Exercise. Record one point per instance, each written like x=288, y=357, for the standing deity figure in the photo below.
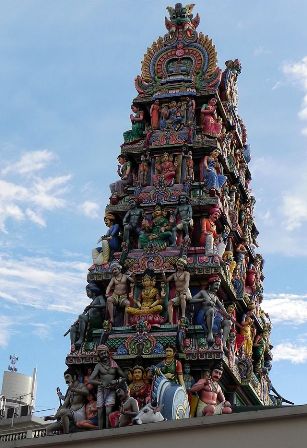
x=143, y=171
x=210, y=123
x=110, y=242
x=158, y=233
x=247, y=331
x=73, y=408
x=138, y=125
x=171, y=367
x=261, y=345
x=213, y=181
x=211, y=398
x=211, y=304
x=209, y=237
x=183, y=215
x=125, y=174
x=181, y=279
x=165, y=170
x=189, y=172
x=164, y=114
x=117, y=291
x=93, y=316
x=154, y=115
x=139, y=389
x=104, y=377
x=132, y=221
x=190, y=114
x=149, y=300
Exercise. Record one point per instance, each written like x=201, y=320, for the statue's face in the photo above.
x=68, y=379
x=103, y=354
x=146, y=282
x=215, y=286
x=169, y=352
x=183, y=199
x=180, y=266
x=137, y=374
x=216, y=374
x=158, y=212
x=214, y=216
x=187, y=369
x=120, y=393
x=115, y=270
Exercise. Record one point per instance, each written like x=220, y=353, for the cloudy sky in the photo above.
x=66, y=83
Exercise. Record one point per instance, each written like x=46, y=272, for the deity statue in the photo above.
x=154, y=115
x=261, y=345
x=209, y=237
x=210, y=123
x=139, y=389
x=143, y=171
x=191, y=105
x=104, y=377
x=92, y=315
x=211, y=305
x=149, y=300
x=189, y=174
x=183, y=215
x=110, y=242
x=125, y=174
x=164, y=114
x=211, y=398
x=117, y=291
x=181, y=279
x=247, y=330
x=132, y=221
x=73, y=408
x=181, y=17
x=129, y=407
x=189, y=380
x=138, y=125
x=165, y=170
x=91, y=416
x=158, y=233
x=213, y=181
x=171, y=367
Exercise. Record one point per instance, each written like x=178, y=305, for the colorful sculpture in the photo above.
x=138, y=126
x=181, y=278
x=117, y=291
x=210, y=123
x=158, y=233
x=165, y=170
x=125, y=174
x=149, y=300
x=110, y=242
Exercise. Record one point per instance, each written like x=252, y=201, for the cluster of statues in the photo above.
x=107, y=396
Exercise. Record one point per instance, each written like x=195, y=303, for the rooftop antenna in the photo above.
x=13, y=361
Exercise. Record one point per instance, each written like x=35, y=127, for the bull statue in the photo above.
x=169, y=401
x=151, y=413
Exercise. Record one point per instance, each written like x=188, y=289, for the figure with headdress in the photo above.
x=183, y=215
x=139, y=389
x=106, y=376
x=124, y=170
x=210, y=123
x=171, y=367
x=213, y=180
x=209, y=237
x=211, y=398
x=181, y=279
x=117, y=291
x=149, y=300
x=137, y=123
x=165, y=170
x=132, y=221
x=158, y=232
x=110, y=242
x=211, y=305
x=92, y=316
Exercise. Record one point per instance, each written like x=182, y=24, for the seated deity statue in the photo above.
x=139, y=389
x=138, y=125
x=158, y=233
x=165, y=170
x=149, y=300
x=110, y=242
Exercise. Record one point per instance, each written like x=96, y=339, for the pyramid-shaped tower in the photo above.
x=178, y=266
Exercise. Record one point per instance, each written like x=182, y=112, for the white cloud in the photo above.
x=90, y=209
x=41, y=330
x=29, y=196
x=297, y=72
x=43, y=283
x=30, y=162
x=290, y=352
x=294, y=210
x=6, y=329
x=286, y=308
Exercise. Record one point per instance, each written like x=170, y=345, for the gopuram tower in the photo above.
x=176, y=285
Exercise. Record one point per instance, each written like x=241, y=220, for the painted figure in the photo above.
x=117, y=291
x=210, y=306
x=211, y=398
x=210, y=123
x=143, y=171
x=213, y=181
x=158, y=233
x=171, y=367
x=73, y=408
x=139, y=389
x=91, y=420
x=165, y=170
x=189, y=174
x=149, y=300
x=138, y=125
x=125, y=174
x=181, y=279
x=110, y=242
x=104, y=377
x=209, y=237
x=183, y=215
x=154, y=115
x=132, y=221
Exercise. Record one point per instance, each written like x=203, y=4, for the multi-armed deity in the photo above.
x=176, y=285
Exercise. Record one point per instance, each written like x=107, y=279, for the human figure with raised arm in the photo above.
x=211, y=304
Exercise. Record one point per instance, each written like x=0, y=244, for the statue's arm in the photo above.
x=95, y=373
x=199, y=297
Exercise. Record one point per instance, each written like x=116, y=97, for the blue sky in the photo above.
x=66, y=84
